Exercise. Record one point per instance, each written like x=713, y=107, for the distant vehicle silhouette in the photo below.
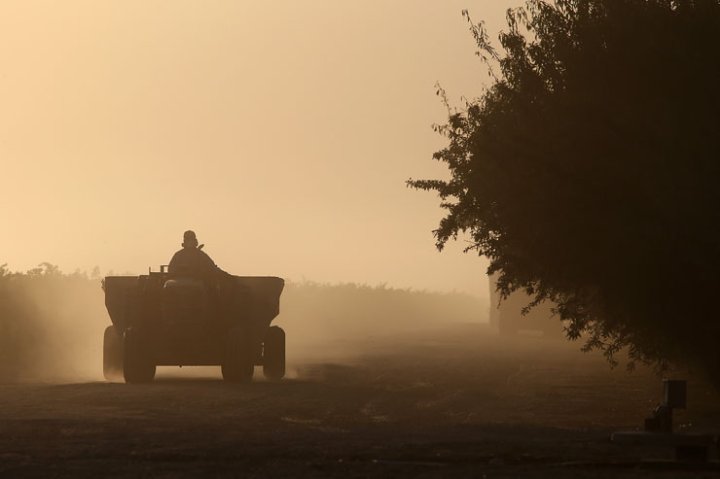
x=164, y=320
x=508, y=319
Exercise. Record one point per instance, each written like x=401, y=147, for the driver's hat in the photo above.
x=189, y=239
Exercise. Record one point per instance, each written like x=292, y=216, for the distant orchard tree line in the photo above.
x=588, y=171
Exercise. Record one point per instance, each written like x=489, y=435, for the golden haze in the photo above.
x=282, y=132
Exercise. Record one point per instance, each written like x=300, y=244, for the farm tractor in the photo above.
x=160, y=320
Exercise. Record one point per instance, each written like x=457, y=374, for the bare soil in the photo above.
x=452, y=402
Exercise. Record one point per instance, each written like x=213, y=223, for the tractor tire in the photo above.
x=238, y=365
x=137, y=365
x=112, y=354
x=274, y=354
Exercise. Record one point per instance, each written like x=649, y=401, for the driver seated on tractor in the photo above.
x=192, y=262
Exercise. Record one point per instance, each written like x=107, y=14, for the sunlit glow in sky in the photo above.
x=282, y=132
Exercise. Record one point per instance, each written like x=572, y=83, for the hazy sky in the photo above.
x=282, y=132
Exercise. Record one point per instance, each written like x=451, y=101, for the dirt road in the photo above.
x=443, y=403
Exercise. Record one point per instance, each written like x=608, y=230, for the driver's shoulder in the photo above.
x=205, y=256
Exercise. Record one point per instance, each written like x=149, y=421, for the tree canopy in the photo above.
x=588, y=172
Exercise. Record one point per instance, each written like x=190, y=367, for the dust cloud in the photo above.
x=53, y=323
x=342, y=320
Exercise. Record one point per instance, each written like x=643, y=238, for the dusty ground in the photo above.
x=445, y=403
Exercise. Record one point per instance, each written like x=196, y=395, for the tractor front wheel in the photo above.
x=238, y=365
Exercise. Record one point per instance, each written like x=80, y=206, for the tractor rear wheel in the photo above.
x=238, y=364
x=274, y=353
x=112, y=354
x=137, y=364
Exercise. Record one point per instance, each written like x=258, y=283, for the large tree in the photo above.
x=589, y=171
